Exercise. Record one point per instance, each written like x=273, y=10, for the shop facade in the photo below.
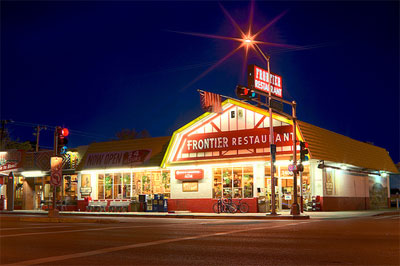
x=30, y=185
x=227, y=155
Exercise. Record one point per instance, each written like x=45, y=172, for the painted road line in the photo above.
x=34, y=227
x=85, y=230
x=77, y=230
x=158, y=242
x=386, y=217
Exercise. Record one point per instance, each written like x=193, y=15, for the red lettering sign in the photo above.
x=236, y=140
x=258, y=79
x=192, y=174
x=118, y=158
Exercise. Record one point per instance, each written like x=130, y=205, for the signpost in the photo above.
x=56, y=171
x=55, y=180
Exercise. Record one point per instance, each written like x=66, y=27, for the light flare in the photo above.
x=246, y=40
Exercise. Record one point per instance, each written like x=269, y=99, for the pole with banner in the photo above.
x=55, y=180
x=56, y=173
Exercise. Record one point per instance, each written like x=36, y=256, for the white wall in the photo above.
x=349, y=184
x=316, y=179
x=205, y=185
x=259, y=178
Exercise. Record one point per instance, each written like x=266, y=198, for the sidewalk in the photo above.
x=283, y=215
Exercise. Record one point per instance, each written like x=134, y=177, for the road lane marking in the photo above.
x=33, y=227
x=77, y=230
x=158, y=242
x=386, y=217
x=88, y=229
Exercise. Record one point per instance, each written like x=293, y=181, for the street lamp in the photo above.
x=271, y=128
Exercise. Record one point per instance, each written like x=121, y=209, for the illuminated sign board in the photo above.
x=117, y=159
x=258, y=79
x=10, y=160
x=239, y=139
x=192, y=174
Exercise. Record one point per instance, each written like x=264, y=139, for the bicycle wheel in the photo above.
x=231, y=208
x=244, y=207
x=216, y=208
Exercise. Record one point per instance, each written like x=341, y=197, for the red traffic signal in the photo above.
x=62, y=140
x=244, y=93
x=65, y=132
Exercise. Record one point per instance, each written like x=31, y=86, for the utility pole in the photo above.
x=38, y=128
x=294, y=210
x=271, y=131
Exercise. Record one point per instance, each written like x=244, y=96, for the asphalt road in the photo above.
x=170, y=241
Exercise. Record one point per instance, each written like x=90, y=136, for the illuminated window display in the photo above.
x=128, y=185
x=233, y=182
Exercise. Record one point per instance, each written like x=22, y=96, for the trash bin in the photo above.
x=262, y=205
x=135, y=206
x=165, y=203
x=142, y=203
x=155, y=205
x=149, y=205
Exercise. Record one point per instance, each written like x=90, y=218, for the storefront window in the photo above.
x=126, y=191
x=227, y=182
x=70, y=185
x=130, y=185
x=108, y=186
x=248, y=182
x=117, y=186
x=166, y=183
x=235, y=182
x=86, y=181
x=217, y=189
x=100, y=186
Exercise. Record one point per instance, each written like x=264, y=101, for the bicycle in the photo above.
x=224, y=205
x=243, y=207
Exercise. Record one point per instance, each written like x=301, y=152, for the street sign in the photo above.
x=56, y=171
x=292, y=167
x=276, y=105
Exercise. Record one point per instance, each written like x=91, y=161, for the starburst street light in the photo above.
x=247, y=41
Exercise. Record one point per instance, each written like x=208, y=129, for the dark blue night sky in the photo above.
x=99, y=67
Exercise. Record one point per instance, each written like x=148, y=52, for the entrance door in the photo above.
x=38, y=197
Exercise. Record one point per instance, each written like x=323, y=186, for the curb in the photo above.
x=66, y=220
x=63, y=218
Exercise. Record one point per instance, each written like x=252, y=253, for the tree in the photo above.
x=125, y=134
x=8, y=144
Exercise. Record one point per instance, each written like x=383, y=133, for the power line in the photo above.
x=72, y=131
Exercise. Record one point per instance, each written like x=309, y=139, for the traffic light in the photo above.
x=244, y=93
x=273, y=152
x=62, y=140
x=303, y=151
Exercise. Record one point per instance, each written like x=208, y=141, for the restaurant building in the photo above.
x=29, y=182
x=227, y=155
